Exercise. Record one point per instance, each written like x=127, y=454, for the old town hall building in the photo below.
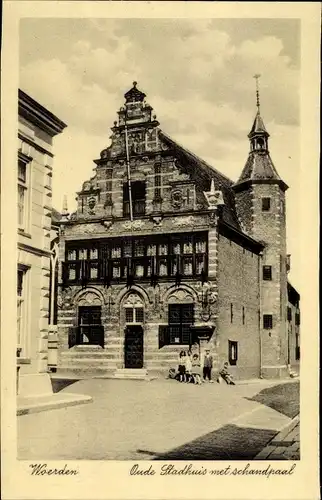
x=165, y=252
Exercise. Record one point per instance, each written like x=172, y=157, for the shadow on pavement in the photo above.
x=284, y=398
x=58, y=384
x=230, y=442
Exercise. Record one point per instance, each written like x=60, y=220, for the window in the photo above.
x=267, y=273
x=289, y=314
x=90, y=330
x=134, y=314
x=71, y=255
x=157, y=182
x=181, y=317
x=297, y=319
x=232, y=352
x=266, y=204
x=22, y=194
x=231, y=313
x=159, y=256
x=243, y=315
x=267, y=321
x=138, y=198
x=21, y=309
x=49, y=180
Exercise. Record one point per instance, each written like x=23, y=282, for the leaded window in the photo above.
x=181, y=318
x=166, y=256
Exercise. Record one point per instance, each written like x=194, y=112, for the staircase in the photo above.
x=86, y=362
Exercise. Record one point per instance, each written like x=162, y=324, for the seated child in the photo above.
x=224, y=373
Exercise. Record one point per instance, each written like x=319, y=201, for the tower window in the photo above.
x=243, y=315
x=232, y=352
x=289, y=314
x=267, y=273
x=266, y=204
x=231, y=313
x=267, y=321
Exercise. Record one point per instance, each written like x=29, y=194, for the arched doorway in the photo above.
x=133, y=309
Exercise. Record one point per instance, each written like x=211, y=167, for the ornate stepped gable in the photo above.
x=146, y=140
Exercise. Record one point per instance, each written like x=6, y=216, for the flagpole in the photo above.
x=128, y=171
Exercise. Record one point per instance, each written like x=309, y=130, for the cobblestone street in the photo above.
x=285, y=445
x=162, y=419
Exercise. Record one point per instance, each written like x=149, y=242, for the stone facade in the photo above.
x=37, y=127
x=165, y=253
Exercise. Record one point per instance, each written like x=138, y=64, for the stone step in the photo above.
x=88, y=361
x=89, y=355
x=131, y=373
x=84, y=372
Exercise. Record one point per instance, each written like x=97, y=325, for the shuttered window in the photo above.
x=181, y=317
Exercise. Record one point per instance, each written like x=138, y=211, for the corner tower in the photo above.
x=260, y=205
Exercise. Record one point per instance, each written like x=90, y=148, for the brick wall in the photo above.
x=271, y=228
x=238, y=288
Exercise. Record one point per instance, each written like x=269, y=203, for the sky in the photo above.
x=197, y=75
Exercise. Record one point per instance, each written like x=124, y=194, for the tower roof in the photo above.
x=258, y=126
x=259, y=167
x=134, y=94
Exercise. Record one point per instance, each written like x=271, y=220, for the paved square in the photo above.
x=137, y=420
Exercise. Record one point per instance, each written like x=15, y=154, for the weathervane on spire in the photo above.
x=257, y=76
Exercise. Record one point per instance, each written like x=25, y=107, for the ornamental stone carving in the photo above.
x=214, y=197
x=89, y=298
x=107, y=224
x=183, y=221
x=177, y=198
x=134, y=225
x=180, y=296
x=157, y=220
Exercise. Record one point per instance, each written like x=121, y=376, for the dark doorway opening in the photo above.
x=133, y=347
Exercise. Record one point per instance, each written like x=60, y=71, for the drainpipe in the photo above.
x=52, y=329
x=259, y=316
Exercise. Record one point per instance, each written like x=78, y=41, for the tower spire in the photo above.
x=257, y=77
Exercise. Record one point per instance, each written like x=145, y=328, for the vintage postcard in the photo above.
x=159, y=292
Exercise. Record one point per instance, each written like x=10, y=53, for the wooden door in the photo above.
x=133, y=347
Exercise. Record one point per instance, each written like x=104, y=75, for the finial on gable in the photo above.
x=65, y=212
x=214, y=197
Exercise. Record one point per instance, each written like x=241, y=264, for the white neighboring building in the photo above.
x=37, y=128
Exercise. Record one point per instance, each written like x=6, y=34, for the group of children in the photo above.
x=190, y=369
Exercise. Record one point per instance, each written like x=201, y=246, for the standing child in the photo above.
x=196, y=369
x=188, y=367
x=182, y=366
x=207, y=365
